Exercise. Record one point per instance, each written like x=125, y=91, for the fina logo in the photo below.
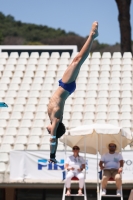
x=50, y=166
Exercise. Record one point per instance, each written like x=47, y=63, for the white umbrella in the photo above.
x=96, y=137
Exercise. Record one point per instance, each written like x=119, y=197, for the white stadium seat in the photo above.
x=117, y=55
x=106, y=55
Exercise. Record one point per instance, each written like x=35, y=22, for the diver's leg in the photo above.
x=72, y=71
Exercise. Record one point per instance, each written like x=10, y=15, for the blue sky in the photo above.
x=70, y=15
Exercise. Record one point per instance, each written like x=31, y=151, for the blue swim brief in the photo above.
x=70, y=87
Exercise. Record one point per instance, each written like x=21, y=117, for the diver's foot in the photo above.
x=94, y=30
x=53, y=160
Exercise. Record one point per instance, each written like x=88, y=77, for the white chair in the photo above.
x=84, y=67
x=67, y=108
x=11, y=131
x=4, y=157
x=89, y=115
x=106, y=55
x=106, y=61
x=8, y=140
x=22, y=61
x=126, y=108
x=116, y=61
x=24, y=55
x=53, y=61
x=32, y=147
x=113, y=116
x=21, y=100
x=75, y=123
x=7, y=74
x=41, y=107
x=91, y=94
x=126, y=123
x=126, y=68
x=36, y=132
x=105, y=67
x=79, y=93
x=103, y=94
x=126, y=115
x=3, y=123
x=32, y=100
x=113, y=108
x=78, y=101
x=117, y=55
x=34, y=93
x=115, y=86
x=55, y=55
x=94, y=68
x=66, y=115
x=104, y=74
x=34, y=55
x=94, y=61
x=116, y=68
x=92, y=86
x=4, y=55
x=86, y=122
x=12, y=61
x=43, y=61
x=101, y=116
x=114, y=94
x=127, y=61
x=116, y=74
x=45, y=93
x=32, y=61
x=62, y=68
x=126, y=101
x=90, y=100
x=29, y=74
x=9, y=68
x=114, y=101
x=127, y=74
x=126, y=80
x=4, y=115
x=19, y=147
x=34, y=140
x=93, y=80
x=102, y=101
x=47, y=86
x=76, y=116
x=83, y=74
x=65, y=55
x=40, y=115
x=96, y=55
x=127, y=87
x=21, y=140
x=28, y=115
x=63, y=61
x=14, y=123
x=2, y=169
x=77, y=108
x=5, y=148
x=101, y=108
x=16, y=115
x=127, y=55
x=44, y=100
x=23, y=93
x=25, y=123
x=127, y=94
x=2, y=131
x=49, y=80
x=89, y=108
x=93, y=74
x=23, y=131
x=30, y=108
x=45, y=55
x=103, y=87
x=38, y=123
x=104, y=80
x=81, y=80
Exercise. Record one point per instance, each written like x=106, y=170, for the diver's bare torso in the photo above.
x=56, y=104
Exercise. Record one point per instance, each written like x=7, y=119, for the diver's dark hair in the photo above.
x=60, y=130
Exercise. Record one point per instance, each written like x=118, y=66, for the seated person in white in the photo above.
x=75, y=164
x=112, y=165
